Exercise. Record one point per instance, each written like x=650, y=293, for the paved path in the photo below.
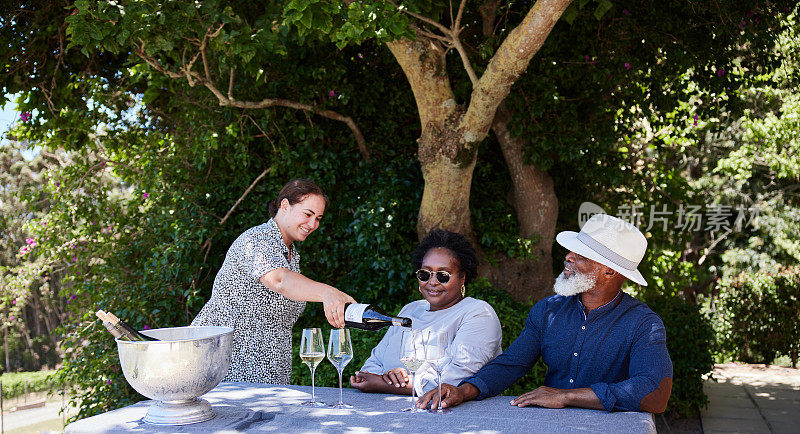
x=33, y=416
x=752, y=399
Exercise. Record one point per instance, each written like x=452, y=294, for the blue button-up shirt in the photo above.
x=618, y=349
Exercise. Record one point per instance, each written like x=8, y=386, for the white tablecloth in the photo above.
x=248, y=407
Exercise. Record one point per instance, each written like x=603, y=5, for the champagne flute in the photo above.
x=312, y=351
x=438, y=355
x=340, y=352
x=412, y=356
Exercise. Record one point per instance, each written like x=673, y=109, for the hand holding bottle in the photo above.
x=334, y=301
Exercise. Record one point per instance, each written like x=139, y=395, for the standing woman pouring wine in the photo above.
x=259, y=290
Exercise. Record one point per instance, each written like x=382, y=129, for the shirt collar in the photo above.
x=275, y=231
x=600, y=309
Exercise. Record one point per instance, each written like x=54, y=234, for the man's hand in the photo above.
x=397, y=377
x=559, y=398
x=333, y=302
x=451, y=396
x=368, y=382
x=542, y=396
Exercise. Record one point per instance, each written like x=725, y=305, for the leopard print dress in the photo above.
x=261, y=318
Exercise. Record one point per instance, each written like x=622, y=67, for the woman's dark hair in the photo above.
x=295, y=191
x=458, y=245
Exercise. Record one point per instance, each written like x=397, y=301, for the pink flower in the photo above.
x=146, y=327
x=25, y=116
x=331, y=94
x=625, y=12
x=11, y=317
x=720, y=72
x=14, y=302
x=72, y=297
x=145, y=195
x=741, y=24
x=109, y=381
x=627, y=65
x=695, y=117
x=24, y=249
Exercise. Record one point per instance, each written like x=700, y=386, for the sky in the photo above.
x=8, y=116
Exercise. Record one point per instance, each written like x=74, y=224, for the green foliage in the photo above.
x=19, y=383
x=756, y=316
x=690, y=341
x=690, y=335
x=30, y=304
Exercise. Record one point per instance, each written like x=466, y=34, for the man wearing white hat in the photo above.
x=604, y=349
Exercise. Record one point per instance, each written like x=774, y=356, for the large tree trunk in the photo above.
x=450, y=133
x=536, y=204
x=445, y=199
x=447, y=155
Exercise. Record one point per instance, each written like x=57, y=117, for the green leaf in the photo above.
x=602, y=8
x=569, y=15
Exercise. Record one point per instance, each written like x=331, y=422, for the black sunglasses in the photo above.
x=425, y=275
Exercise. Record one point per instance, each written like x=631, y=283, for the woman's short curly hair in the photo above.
x=458, y=245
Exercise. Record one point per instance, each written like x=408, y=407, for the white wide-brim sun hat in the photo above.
x=610, y=241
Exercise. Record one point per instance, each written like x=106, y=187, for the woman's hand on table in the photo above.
x=397, y=377
x=333, y=302
x=370, y=383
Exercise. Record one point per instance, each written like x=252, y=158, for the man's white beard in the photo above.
x=577, y=284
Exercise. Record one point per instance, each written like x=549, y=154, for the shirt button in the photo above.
x=583, y=327
x=570, y=381
x=575, y=354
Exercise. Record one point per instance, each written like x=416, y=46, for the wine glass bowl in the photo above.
x=185, y=363
x=312, y=351
x=340, y=353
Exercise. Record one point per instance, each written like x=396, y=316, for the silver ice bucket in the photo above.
x=183, y=364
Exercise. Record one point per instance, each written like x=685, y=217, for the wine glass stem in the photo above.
x=340, y=388
x=439, y=379
x=313, y=396
x=412, y=390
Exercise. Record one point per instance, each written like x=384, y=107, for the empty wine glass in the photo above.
x=437, y=355
x=312, y=351
x=412, y=355
x=340, y=353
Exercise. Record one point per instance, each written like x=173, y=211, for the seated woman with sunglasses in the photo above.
x=446, y=262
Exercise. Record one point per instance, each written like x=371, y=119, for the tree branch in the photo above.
x=223, y=100
x=509, y=62
x=422, y=18
x=246, y=192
